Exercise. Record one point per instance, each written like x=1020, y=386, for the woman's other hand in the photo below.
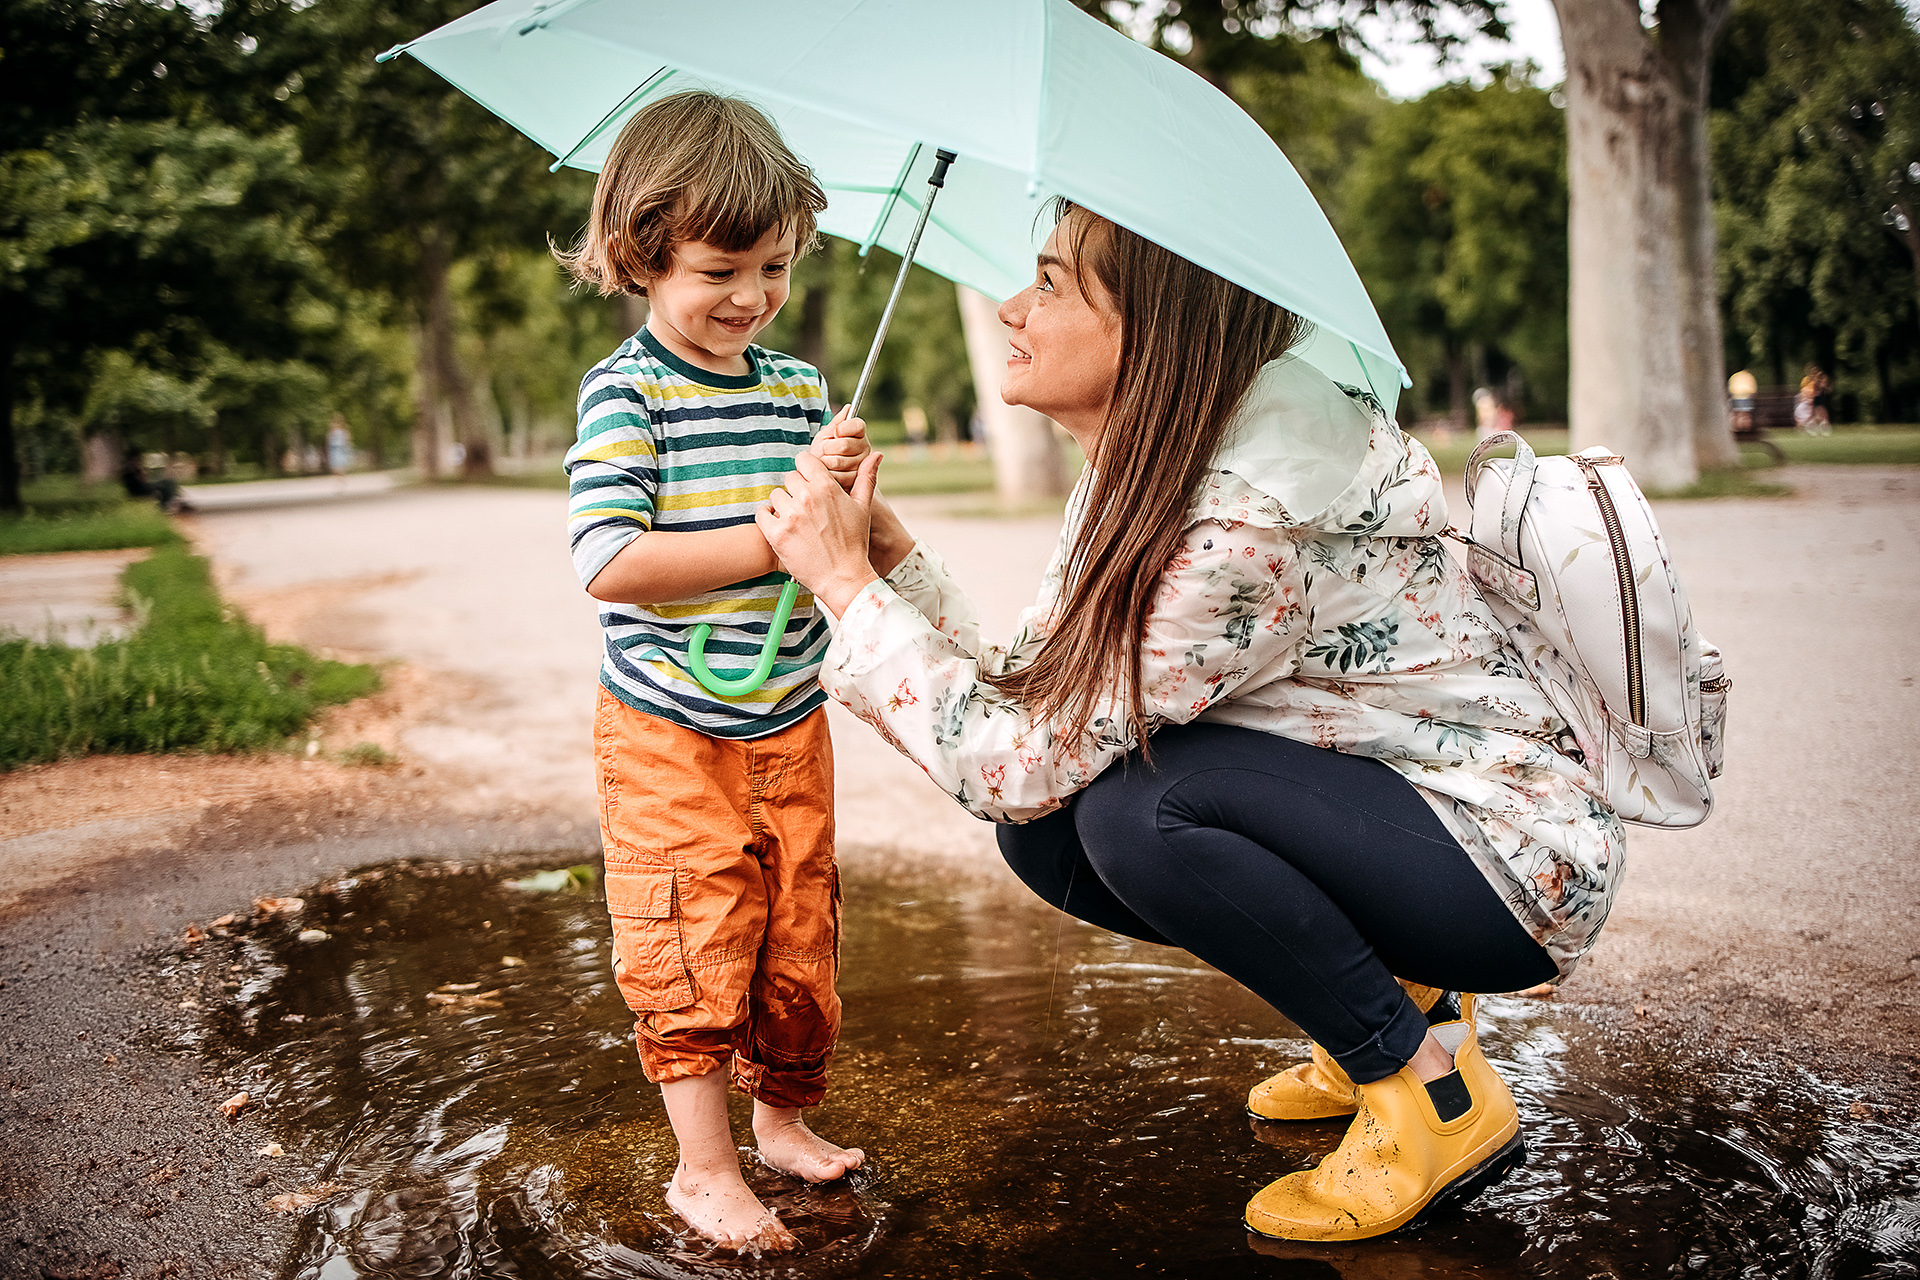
x=842, y=445
x=820, y=532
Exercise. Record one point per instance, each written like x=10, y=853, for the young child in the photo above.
x=716, y=813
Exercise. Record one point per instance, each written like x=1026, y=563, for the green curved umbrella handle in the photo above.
x=713, y=682
x=696, y=652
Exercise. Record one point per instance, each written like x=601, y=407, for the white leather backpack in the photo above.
x=1568, y=557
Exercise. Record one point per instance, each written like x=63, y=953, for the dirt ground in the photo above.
x=1785, y=928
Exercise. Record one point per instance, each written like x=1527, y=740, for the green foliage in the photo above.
x=1456, y=217
x=1816, y=146
x=127, y=524
x=193, y=677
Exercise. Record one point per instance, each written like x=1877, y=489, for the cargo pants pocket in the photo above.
x=650, y=961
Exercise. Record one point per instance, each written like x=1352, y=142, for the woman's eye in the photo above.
x=1046, y=283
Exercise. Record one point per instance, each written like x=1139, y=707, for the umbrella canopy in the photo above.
x=1035, y=97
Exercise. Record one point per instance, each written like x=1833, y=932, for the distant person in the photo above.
x=1488, y=414
x=1811, y=407
x=716, y=812
x=163, y=489
x=339, y=447
x=1743, y=389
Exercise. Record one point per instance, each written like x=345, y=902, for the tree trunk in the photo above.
x=1026, y=457
x=1648, y=372
x=9, y=449
x=450, y=379
x=813, y=312
x=1909, y=235
x=633, y=313
x=426, y=410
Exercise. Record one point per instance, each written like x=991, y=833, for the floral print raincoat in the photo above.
x=1312, y=598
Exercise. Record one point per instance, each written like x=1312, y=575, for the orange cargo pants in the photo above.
x=725, y=899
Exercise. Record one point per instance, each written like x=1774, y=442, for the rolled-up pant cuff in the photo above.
x=792, y=1087
x=1389, y=1050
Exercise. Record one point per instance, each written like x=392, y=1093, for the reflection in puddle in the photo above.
x=1039, y=1099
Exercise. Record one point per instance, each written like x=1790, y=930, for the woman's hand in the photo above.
x=820, y=532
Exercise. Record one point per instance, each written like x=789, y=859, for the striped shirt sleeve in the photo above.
x=612, y=471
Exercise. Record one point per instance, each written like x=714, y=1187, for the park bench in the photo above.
x=1772, y=411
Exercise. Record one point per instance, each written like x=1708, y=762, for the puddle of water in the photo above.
x=1039, y=1098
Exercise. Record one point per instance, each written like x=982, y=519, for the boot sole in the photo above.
x=1320, y=1115
x=1475, y=1180
x=1495, y=1167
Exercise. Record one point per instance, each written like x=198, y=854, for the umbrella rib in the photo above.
x=893, y=197
x=660, y=75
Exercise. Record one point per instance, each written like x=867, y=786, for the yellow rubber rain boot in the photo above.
x=1318, y=1089
x=1413, y=1147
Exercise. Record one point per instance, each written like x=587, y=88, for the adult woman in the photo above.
x=1251, y=575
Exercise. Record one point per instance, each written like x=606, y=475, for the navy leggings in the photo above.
x=1310, y=876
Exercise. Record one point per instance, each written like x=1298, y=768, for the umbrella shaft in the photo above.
x=934, y=183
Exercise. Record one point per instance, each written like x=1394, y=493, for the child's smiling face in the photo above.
x=710, y=303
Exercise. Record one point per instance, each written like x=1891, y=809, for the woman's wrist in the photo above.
x=838, y=593
x=888, y=542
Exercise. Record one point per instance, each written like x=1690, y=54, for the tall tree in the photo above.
x=1456, y=217
x=429, y=178
x=1816, y=136
x=1648, y=369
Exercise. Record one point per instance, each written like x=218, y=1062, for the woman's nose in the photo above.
x=1013, y=312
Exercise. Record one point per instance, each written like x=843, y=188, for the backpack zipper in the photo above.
x=1623, y=572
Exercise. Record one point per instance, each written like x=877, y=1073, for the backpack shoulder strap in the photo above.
x=1519, y=485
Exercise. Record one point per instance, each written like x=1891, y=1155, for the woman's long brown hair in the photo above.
x=1191, y=345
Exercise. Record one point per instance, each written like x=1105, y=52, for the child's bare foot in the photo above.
x=786, y=1144
x=725, y=1211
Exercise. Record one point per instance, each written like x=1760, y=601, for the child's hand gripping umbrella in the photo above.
x=711, y=680
x=1036, y=99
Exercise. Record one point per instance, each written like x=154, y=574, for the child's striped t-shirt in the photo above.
x=666, y=445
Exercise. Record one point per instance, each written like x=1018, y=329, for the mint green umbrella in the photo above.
x=1033, y=97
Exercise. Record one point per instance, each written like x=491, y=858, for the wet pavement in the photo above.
x=445, y=1059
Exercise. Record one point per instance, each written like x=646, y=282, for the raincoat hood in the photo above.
x=1329, y=458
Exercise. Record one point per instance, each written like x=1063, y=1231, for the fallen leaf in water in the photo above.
x=279, y=906
x=194, y=935
x=189, y=1003
x=300, y=1199
x=458, y=986
x=224, y=921
x=1860, y=1111
x=511, y=962
x=271, y=1149
x=1639, y=1011
x=314, y=935
x=477, y=1000
x=581, y=876
x=293, y=1017
x=236, y=1104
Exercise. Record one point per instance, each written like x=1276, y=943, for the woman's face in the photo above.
x=1066, y=344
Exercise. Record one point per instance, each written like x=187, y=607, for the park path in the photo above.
x=1794, y=912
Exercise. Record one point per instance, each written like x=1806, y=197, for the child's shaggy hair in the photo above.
x=690, y=166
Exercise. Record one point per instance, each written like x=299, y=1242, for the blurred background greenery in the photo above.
x=224, y=228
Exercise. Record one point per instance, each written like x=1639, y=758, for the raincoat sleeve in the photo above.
x=1228, y=609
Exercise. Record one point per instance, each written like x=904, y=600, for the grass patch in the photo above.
x=1847, y=446
x=193, y=677
x=368, y=755
x=126, y=524
x=1731, y=482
